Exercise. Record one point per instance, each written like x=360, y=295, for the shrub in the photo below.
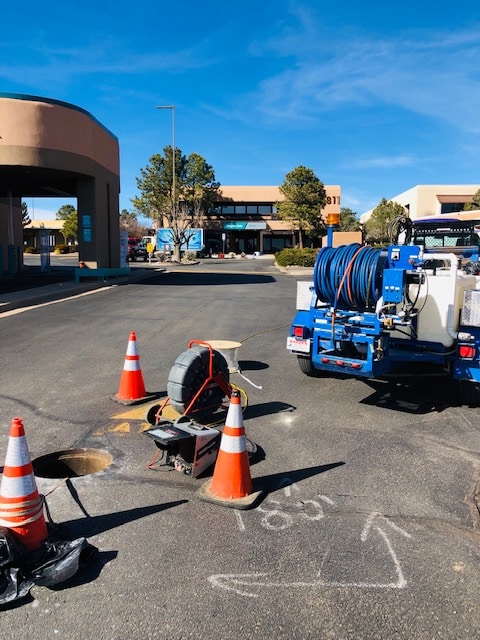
x=297, y=257
x=189, y=256
x=29, y=249
x=61, y=248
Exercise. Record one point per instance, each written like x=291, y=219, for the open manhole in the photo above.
x=71, y=463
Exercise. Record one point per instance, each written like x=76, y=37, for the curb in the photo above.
x=295, y=270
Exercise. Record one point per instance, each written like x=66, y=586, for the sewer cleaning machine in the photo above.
x=400, y=310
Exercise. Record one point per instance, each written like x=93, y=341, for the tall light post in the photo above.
x=172, y=107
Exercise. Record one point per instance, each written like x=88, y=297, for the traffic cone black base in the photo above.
x=231, y=484
x=145, y=398
x=247, y=502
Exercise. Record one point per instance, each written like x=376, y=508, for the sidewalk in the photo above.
x=58, y=289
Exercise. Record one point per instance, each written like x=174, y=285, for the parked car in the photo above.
x=137, y=252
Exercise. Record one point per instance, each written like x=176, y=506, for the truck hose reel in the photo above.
x=349, y=277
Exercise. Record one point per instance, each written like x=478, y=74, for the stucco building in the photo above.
x=52, y=148
x=432, y=200
x=245, y=219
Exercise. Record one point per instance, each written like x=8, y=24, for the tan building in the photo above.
x=245, y=219
x=432, y=200
x=51, y=148
x=47, y=232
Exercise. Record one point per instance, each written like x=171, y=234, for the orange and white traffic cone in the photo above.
x=21, y=507
x=132, y=387
x=231, y=484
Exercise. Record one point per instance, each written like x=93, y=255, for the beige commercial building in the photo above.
x=51, y=148
x=432, y=200
x=246, y=220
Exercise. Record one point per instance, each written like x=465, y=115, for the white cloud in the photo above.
x=434, y=74
x=382, y=162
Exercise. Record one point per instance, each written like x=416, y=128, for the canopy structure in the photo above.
x=51, y=148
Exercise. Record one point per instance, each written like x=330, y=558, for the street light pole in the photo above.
x=172, y=107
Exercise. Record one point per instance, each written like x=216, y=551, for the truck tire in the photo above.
x=469, y=392
x=187, y=376
x=306, y=367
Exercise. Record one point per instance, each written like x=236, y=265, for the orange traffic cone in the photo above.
x=231, y=484
x=21, y=507
x=132, y=387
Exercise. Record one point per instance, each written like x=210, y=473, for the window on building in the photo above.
x=243, y=209
x=271, y=244
x=451, y=207
x=265, y=209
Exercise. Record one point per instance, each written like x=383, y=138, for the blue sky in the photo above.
x=374, y=96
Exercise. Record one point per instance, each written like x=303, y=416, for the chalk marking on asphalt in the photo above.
x=289, y=488
x=286, y=520
x=326, y=499
x=242, y=583
x=239, y=519
x=375, y=515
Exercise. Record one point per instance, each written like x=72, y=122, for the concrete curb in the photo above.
x=295, y=270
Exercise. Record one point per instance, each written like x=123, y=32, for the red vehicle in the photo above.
x=132, y=243
x=136, y=250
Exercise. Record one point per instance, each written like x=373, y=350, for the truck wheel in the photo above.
x=469, y=392
x=187, y=376
x=306, y=367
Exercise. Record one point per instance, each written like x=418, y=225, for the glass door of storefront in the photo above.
x=244, y=241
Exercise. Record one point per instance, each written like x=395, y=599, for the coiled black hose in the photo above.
x=349, y=277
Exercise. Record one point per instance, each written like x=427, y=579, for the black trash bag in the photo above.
x=13, y=585
x=10, y=547
x=60, y=561
x=52, y=563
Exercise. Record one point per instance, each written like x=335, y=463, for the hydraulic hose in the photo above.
x=349, y=277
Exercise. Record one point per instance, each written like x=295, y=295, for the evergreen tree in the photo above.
x=305, y=197
x=377, y=226
x=25, y=217
x=474, y=204
x=349, y=220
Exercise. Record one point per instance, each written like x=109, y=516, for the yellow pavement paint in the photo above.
x=123, y=427
x=169, y=413
x=136, y=413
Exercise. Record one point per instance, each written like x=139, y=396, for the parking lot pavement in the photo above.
x=34, y=287
x=37, y=288
x=369, y=528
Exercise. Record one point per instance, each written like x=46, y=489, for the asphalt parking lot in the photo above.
x=369, y=525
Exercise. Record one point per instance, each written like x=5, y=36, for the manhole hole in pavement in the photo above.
x=71, y=463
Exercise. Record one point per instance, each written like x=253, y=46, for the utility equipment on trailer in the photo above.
x=375, y=312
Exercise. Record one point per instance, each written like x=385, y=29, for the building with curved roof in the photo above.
x=51, y=148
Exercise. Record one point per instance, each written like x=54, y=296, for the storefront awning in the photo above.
x=244, y=225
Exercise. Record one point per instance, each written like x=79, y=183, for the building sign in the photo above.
x=87, y=228
x=195, y=240
x=244, y=226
